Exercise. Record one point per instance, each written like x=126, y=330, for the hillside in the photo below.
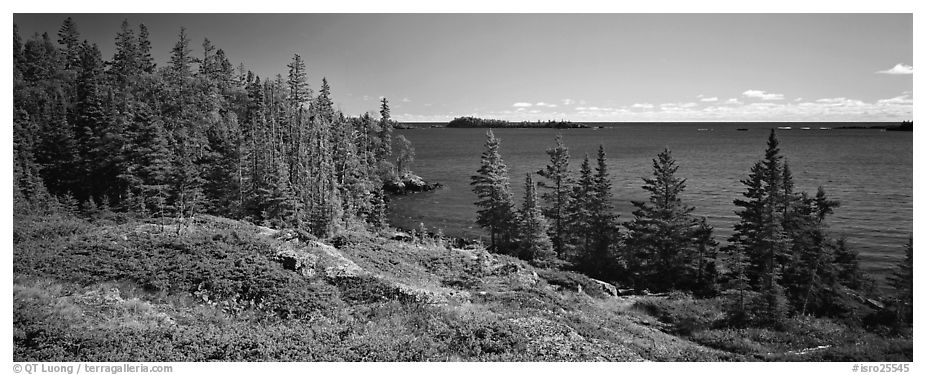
x=122, y=289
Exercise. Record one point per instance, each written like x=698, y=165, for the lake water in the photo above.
x=869, y=171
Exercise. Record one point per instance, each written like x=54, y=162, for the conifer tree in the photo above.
x=69, y=38
x=662, y=229
x=558, y=186
x=579, y=216
x=146, y=62
x=496, y=207
x=535, y=244
x=604, y=226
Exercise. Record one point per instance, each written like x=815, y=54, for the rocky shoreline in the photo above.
x=409, y=183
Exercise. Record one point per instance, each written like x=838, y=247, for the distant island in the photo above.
x=905, y=126
x=475, y=122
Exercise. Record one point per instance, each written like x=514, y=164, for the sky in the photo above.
x=577, y=67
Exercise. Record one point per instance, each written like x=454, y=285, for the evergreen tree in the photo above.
x=579, y=217
x=558, y=186
x=662, y=230
x=69, y=38
x=496, y=208
x=146, y=62
x=603, y=226
x=125, y=64
x=761, y=236
x=535, y=244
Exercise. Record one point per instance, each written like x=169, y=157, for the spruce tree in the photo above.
x=496, y=206
x=660, y=235
x=69, y=38
x=558, y=188
x=604, y=227
x=534, y=243
x=146, y=62
x=579, y=217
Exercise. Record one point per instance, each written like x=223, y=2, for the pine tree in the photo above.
x=604, y=226
x=69, y=38
x=146, y=62
x=579, y=217
x=125, y=64
x=761, y=236
x=496, y=208
x=705, y=267
x=534, y=244
x=662, y=229
x=558, y=186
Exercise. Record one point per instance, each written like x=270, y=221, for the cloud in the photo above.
x=568, y=101
x=521, y=105
x=904, y=99
x=406, y=100
x=733, y=101
x=548, y=105
x=711, y=99
x=898, y=69
x=642, y=106
x=759, y=94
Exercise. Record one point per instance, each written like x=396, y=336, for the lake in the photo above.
x=868, y=170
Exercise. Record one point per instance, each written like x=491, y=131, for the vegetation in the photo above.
x=475, y=122
x=193, y=136
x=120, y=165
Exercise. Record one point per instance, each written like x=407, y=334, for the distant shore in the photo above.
x=890, y=126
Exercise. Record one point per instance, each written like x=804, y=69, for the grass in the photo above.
x=120, y=289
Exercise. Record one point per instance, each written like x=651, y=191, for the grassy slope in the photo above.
x=227, y=290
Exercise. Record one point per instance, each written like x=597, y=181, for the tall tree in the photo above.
x=662, y=229
x=534, y=243
x=579, y=216
x=146, y=62
x=604, y=226
x=558, y=188
x=760, y=233
x=496, y=206
x=69, y=38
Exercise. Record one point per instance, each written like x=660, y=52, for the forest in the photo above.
x=196, y=211
x=475, y=122
x=197, y=135
x=780, y=262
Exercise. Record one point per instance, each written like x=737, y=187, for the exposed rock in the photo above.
x=296, y=258
x=607, y=288
x=409, y=183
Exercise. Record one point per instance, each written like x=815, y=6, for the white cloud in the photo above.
x=733, y=101
x=642, y=106
x=711, y=99
x=568, y=101
x=406, y=100
x=760, y=94
x=521, y=105
x=548, y=105
x=898, y=69
x=897, y=100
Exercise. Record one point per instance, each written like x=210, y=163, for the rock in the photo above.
x=296, y=259
x=408, y=183
x=606, y=287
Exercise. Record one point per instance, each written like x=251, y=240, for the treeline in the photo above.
x=780, y=261
x=194, y=136
x=475, y=122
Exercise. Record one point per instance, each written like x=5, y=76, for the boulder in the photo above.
x=295, y=258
